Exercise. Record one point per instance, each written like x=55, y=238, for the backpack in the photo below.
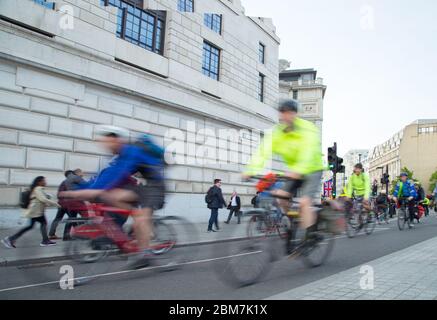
x=25, y=199
x=150, y=147
x=208, y=196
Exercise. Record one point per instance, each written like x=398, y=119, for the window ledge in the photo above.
x=129, y=52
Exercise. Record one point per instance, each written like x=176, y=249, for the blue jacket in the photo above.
x=131, y=159
x=408, y=190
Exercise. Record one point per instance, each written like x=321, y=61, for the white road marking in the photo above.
x=131, y=271
x=161, y=267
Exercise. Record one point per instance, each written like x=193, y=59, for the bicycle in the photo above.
x=272, y=234
x=404, y=215
x=100, y=237
x=380, y=211
x=358, y=219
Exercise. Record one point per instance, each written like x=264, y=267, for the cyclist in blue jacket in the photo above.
x=113, y=184
x=406, y=191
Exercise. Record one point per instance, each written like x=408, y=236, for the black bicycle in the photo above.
x=404, y=215
x=358, y=218
x=272, y=235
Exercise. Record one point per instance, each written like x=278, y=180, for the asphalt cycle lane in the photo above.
x=200, y=280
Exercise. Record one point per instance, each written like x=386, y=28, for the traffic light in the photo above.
x=340, y=168
x=385, y=178
x=332, y=158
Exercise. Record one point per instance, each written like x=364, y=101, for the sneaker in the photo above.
x=139, y=262
x=226, y=222
x=208, y=231
x=8, y=243
x=214, y=230
x=47, y=244
x=55, y=237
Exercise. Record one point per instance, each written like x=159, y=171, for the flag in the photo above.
x=327, y=188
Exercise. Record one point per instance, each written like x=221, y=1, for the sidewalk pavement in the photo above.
x=28, y=249
x=409, y=274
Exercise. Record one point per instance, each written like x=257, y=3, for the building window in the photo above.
x=261, y=81
x=50, y=5
x=295, y=94
x=211, y=61
x=186, y=5
x=262, y=53
x=144, y=28
x=213, y=22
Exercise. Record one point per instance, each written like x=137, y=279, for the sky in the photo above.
x=378, y=59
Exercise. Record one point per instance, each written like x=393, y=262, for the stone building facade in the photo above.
x=414, y=147
x=67, y=66
x=304, y=86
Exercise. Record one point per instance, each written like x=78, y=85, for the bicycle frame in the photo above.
x=100, y=226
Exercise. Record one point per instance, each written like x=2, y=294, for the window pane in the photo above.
x=211, y=61
x=213, y=22
x=139, y=26
x=262, y=53
x=46, y=4
x=186, y=5
x=261, y=87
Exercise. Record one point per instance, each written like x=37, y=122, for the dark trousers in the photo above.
x=213, y=219
x=43, y=222
x=234, y=211
x=59, y=216
x=411, y=210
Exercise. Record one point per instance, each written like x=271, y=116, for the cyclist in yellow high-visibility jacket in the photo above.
x=297, y=142
x=358, y=184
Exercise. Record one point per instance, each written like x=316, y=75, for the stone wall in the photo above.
x=55, y=89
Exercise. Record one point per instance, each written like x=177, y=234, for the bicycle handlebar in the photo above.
x=282, y=178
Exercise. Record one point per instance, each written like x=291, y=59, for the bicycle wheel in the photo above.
x=164, y=237
x=317, y=251
x=370, y=223
x=258, y=226
x=402, y=219
x=352, y=224
x=247, y=261
x=172, y=243
x=90, y=258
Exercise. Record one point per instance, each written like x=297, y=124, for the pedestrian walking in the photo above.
x=234, y=208
x=214, y=199
x=71, y=208
x=35, y=211
x=254, y=201
x=375, y=188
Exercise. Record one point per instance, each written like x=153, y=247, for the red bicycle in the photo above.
x=99, y=236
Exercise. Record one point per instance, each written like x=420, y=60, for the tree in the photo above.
x=433, y=181
x=410, y=177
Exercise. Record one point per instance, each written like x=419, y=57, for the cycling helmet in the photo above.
x=288, y=105
x=359, y=166
x=404, y=174
x=105, y=131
